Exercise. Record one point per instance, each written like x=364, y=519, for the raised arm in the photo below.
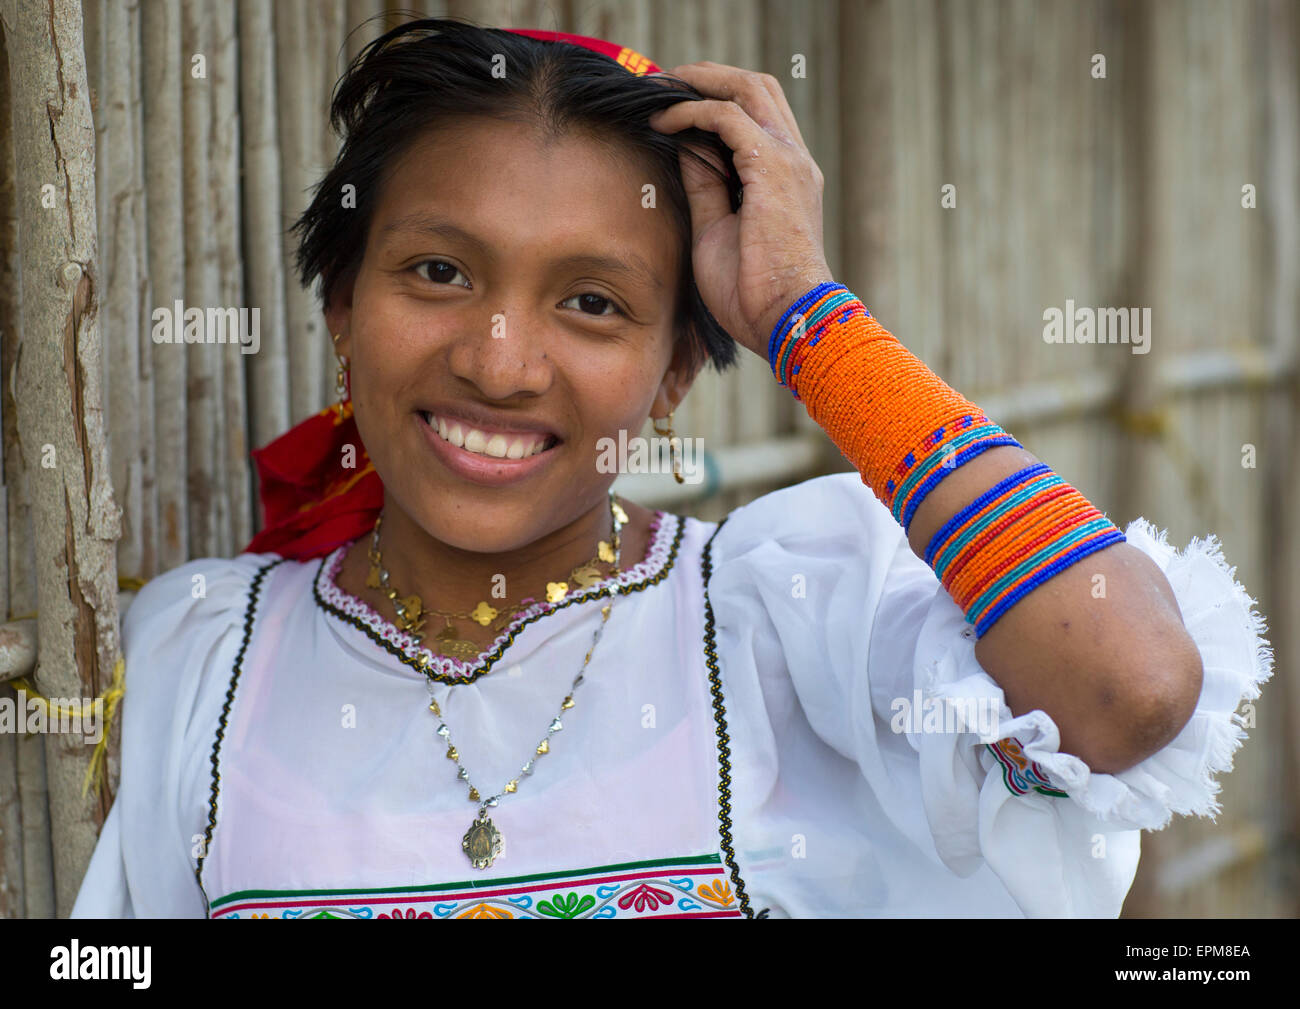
x=1070, y=619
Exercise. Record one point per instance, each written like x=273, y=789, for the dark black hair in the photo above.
x=439, y=70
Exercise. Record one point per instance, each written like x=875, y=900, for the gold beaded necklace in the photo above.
x=411, y=610
x=483, y=841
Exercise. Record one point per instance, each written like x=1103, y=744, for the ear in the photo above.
x=338, y=314
x=677, y=381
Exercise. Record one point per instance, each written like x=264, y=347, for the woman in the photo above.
x=456, y=677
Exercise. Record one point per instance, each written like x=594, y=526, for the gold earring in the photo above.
x=340, y=376
x=674, y=445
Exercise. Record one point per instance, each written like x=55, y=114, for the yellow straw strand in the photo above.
x=110, y=697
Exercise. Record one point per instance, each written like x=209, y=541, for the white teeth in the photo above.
x=498, y=446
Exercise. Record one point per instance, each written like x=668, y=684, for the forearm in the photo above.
x=1100, y=646
x=1069, y=618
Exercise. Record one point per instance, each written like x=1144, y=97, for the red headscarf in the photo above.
x=313, y=501
x=627, y=58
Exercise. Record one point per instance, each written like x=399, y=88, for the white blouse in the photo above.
x=790, y=744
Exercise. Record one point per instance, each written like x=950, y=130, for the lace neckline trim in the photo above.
x=665, y=537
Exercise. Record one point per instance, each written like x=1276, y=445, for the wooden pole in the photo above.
x=206, y=477
x=121, y=199
x=301, y=114
x=1136, y=452
x=57, y=380
x=12, y=897
x=1280, y=464
x=161, y=67
x=224, y=200
x=263, y=222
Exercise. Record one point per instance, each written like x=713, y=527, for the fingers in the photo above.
x=759, y=94
x=708, y=195
x=749, y=112
x=787, y=114
x=727, y=119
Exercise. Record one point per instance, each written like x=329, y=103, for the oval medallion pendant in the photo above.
x=482, y=842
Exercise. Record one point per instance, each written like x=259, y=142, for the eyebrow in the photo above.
x=633, y=267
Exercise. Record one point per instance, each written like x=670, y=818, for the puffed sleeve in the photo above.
x=883, y=664
x=180, y=636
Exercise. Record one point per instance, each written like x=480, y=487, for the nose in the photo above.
x=503, y=353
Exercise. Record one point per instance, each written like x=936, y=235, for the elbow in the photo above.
x=1157, y=711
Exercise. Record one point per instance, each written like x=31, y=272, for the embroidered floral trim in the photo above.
x=689, y=887
x=665, y=536
x=1019, y=773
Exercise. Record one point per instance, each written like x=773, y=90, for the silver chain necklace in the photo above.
x=483, y=841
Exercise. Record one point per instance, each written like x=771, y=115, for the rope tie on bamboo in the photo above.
x=109, y=699
x=905, y=430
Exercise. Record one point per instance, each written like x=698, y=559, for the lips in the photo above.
x=481, y=468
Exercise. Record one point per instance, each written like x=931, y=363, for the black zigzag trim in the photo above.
x=253, y=592
x=724, y=748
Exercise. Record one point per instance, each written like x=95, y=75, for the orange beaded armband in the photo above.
x=904, y=429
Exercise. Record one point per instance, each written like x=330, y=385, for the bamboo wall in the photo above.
x=1117, y=191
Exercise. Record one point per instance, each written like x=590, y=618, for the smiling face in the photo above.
x=514, y=296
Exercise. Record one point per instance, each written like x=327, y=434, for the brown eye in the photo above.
x=439, y=271
x=593, y=304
